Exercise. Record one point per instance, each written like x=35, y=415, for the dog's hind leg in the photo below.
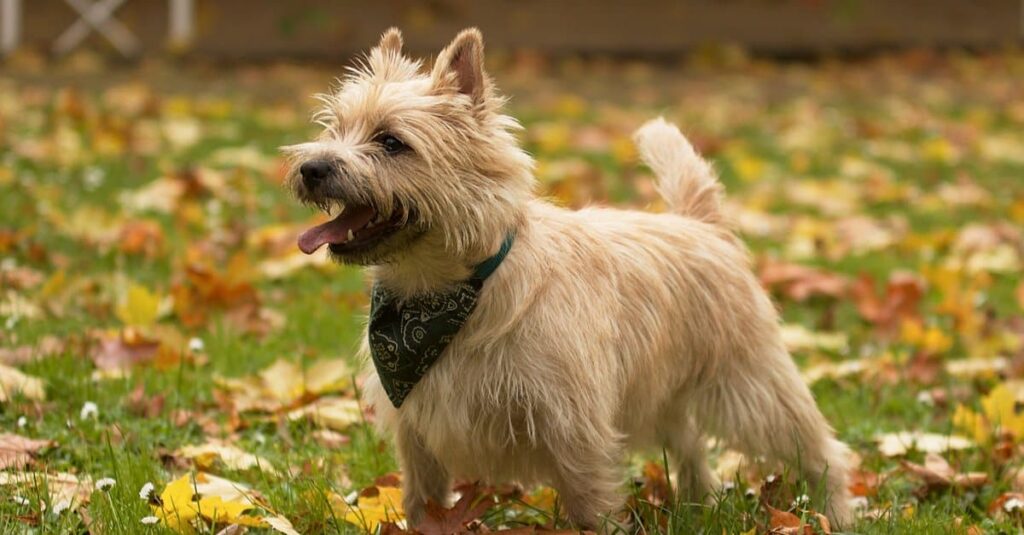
x=764, y=408
x=423, y=477
x=694, y=479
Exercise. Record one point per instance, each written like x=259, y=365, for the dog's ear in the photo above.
x=464, y=58
x=391, y=41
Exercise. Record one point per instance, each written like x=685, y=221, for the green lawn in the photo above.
x=142, y=217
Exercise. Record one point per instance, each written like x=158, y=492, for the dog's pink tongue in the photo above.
x=335, y=230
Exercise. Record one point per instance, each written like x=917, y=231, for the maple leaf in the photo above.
x=214, y=500
x=898, y=301
x=138, y=307
x=17, y=451
x=471, y=505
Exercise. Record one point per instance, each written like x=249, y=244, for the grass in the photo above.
x=886, y=136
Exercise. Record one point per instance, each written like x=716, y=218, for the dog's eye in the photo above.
x=391, y=143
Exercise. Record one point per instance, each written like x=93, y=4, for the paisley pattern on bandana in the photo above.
x=407, y=337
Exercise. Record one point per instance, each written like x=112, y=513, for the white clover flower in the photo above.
x=801, y=500
x=925, y=397
x=149, y=520
x=1013, y=504
x=20, y=500
x=146, y=491
x=106, y=483
x=22, y=421
x=196, y=345
x=770, y=478
x=750, y=492
x=89, y=410
x=728, y=486
x=61, y=506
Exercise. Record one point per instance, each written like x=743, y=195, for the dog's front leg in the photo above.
x=588, y=478
x=423, y=477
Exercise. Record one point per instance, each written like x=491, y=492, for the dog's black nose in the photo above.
x=314, y=172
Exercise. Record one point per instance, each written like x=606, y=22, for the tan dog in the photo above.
x=602, y=329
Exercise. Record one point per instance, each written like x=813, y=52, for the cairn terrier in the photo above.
x=540, y=344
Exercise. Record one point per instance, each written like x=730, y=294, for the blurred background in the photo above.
x=872, y=151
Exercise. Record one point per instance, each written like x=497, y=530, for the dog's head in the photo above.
x=406, y=154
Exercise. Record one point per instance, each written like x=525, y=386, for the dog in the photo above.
x=593, y=332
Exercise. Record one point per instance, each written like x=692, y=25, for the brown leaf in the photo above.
x=143, y=406
x=17, y=451
x=899, y=300
x=441, y=521
x=936, y=473
x=118, y=351
x=799, y=282
x=863, y=482
x=783, y=522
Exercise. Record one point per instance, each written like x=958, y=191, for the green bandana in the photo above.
x=407, y=337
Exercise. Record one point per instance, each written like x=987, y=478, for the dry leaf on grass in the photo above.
x=799, y=282
x=60, y=487
x=896, y=444
x=207, y=455
x=13, y=382
x=210, y=500
x=471, y=505
x=936, y=473
x=17, y=451
x=284, y=385
x=332, y=412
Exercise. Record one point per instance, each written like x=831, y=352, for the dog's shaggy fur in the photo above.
x=602, y=330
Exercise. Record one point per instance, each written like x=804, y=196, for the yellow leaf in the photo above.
x=214, y=499
x=971, y=423
x=139, y=307
x=370, y=511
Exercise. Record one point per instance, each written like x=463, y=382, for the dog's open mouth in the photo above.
x=357, y=227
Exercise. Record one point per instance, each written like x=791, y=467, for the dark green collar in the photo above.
x=408, y=336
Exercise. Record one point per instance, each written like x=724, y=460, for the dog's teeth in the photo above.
x=350, y=235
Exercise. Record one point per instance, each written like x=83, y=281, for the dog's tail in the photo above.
x=685, y=180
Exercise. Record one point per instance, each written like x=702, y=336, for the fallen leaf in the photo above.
x=13, y=382
x=896, y=444
x=898, y=301
x=17, y=451
x=331, y=412
x=138, y=307
x=58, y=486
x=373, y=506
x=212, y=499
x=207, y=455
x=799, y=282
x=799, y=338
x=440, y=521
x=936, y=473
